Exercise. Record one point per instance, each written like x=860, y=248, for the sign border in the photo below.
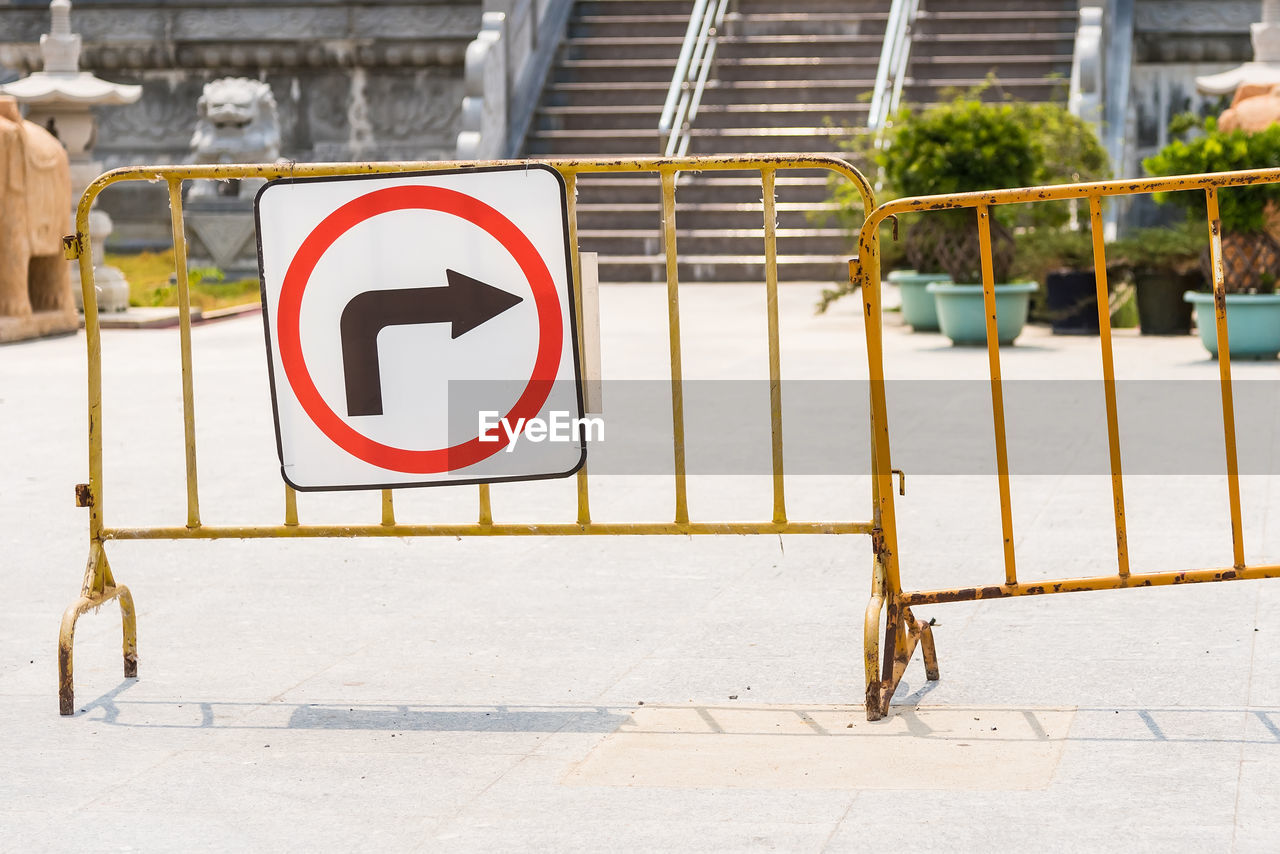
x=572, y=295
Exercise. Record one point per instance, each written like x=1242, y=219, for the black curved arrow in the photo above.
x=465, y=303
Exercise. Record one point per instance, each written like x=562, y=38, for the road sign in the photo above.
x=420, y=328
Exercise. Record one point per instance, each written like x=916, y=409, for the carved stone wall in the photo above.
x=1176, y=41
x=1194, y=31
x=373, y=80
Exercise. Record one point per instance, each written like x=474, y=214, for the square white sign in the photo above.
x=421, y=328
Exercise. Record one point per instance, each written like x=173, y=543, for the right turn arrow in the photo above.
x=464, y=302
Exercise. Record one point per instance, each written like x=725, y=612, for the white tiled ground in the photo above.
x=485, y=694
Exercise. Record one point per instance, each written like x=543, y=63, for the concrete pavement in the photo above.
x=625, y=693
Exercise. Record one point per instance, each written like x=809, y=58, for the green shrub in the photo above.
x=1046, y=250
x=967, y=145
x=1243, y=210
x=1176, y=249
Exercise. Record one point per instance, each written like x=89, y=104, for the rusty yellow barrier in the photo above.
x=99, y=584
x=903, y=631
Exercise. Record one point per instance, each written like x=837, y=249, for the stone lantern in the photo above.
x=60, y=99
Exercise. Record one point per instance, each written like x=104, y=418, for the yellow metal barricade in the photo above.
x=99, y=584
x=902, y=630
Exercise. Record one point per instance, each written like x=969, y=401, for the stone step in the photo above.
x=992, y=45
x=628, y=25
x=667, y=48
x=713, y=241
x=715, y=116
x=986, y=7
x=801, y=46
x=971, y=24
x=616, y=71
x=699, y=215
x=932, y=90
x=616, y=92
x=798, y=68
x=709, y=116
x=623, y=141
x=848, y=91
x=611, y=8
x=807, y=8
x=831, y=23
x=695, y=188
x=760, y=68
x=771, y=140
x=717, y=92
x=723, y=268
x=963, y=64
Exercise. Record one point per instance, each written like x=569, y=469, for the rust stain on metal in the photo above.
x=66, y=689
x=84, y=495
x=878, y=546
x=72, y=246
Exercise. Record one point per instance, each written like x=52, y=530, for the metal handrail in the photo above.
x=892, y=71
x=684, y=95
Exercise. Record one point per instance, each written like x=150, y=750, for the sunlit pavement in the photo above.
x=628, y=693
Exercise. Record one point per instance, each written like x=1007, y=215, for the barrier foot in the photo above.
x=902, y=634
x=99, y=588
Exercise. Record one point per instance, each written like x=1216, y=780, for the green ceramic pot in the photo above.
x=1253, y=324
x=918, y=311
x=962, y=311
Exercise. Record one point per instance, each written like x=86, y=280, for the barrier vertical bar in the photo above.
x=486, y=508
x=1109, y=381
x=290, y=506
x=867, y=268
x=997, y=391
x=673, y=319
x=93, y=345
x=767, y=181
x=571, y=203
x=1224, y=375
x=184, y=336
x=388, y=508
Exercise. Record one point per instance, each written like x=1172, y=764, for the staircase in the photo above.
x=1027, y=44
x=785, y=81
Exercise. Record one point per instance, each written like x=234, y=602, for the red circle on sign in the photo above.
x=546, y=301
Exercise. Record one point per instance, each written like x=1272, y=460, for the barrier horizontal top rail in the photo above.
x=174, y=176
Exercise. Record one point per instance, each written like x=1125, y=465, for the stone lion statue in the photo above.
x=35, y=188
x=236, y=123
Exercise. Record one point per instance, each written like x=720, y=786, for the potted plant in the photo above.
x=911, y=264
x=1250, y=255
x=1061, y=255
x=1062, y=259
x=1164, y=264
x=966, y=145
x=918, y=309
x=955, y=147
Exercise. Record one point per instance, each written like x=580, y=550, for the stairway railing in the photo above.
x=892, y=71
x=684, y=96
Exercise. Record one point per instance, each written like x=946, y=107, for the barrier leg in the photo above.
x=902, y=634
x=871, y=655
x=99, y=588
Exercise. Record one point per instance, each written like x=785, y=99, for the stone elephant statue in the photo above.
x=35, y=192
x=1255, y=107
